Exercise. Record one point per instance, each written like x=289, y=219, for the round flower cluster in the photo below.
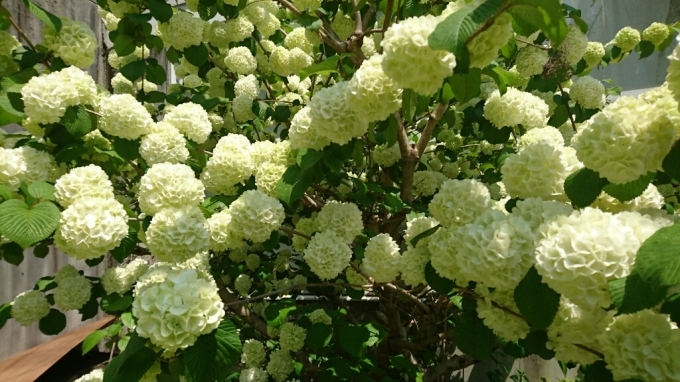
x=253, y=353
x=280, y=365
x=46, y=97
x=291, y=336
x=320, y=316
x=182, y=30
x=123, y=116
x=267, y=176
x=242, y=107
x=425, y=69
x=662, y=98
x=230, y=164
x=588, y=92
x=443, y=248
x=120, y=8
x=306, y=226
x=299, y=38
x=192, y=81
x=252, y=261
x=24, y=164
x=191, y=120
x=627, y=38
x=164, y=143
x=173, y=312
x=673, y=77
x=372, y=94
x=311, y=5
x=594, y=53
x=484, y=47
x=285, y=62
x=263, y=15
x=642, y=345
x=29, y=307
x=656, y=33
x=502, y=323
x=574, y=44
x=247, y=85
x=530, y=61
x=539, y=170
x=242, y=284
x=386, y=156
x=578, y=254
x=412, y=266
x=169, y=185
x=516, y=107
x=221, y=233
x=330, y=109
x=548, y=135
x=650, y=199
x=303, y=132
x=459, y=202
x=83, y=182
x=253, y=374
x=343, y=219
x=327, y=255
x=120, y=279
x=426, y=183
x=96, y=375
x=176, y=234
x=642, y=134
x=536, y=211
x=382, y=258
x=72, y=292
x=240, y=60
x=75, y=43
x=90, y=227
x=255, y=215
x=67, y=270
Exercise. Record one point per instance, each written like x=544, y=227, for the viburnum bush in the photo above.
x=345, y=190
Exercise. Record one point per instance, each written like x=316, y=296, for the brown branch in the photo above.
x=233, y=303
x=21, y=32
x=409, y=160
x=425, y=136
x=290, y=6
x=458, y=362
x=386, y=20
x=592, y=351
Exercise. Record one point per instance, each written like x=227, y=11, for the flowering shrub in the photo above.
x=454, y=161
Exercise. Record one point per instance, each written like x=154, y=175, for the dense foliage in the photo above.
x=345, y=190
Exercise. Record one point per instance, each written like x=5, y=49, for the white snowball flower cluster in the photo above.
x=220, y=228
x=72, y=292
x=230, y=164
x=385, y=155
x=280, y=365
x=253, y=374
x=247, y=85
x=164, y=143
x=96, y=375
x=256, y=215
x=548, y=134
x=484, y=47
x=291, y=336
x=330, y=109
x=182, y=30
x=536, y=211
x=46, y=97
x=29, y=307
x=169, y=185
x=594, y=53
x=253, y=353
x=67, y=270
x=425, y=69
x=662, y=98
x=119, y=9
x=372, y=94
x=627, y=38
x=650, y=199
x=240, y=60
x=412, y=265
x=459, y=202
x=242, y=107
x=642, y=345
x=578, y=254
x=426, y=183
x=90, y=227
x=656, y=33
x=502, y=323
x=343, y=219
x=327, y=255
x=643, y=136
x=320, y=316
x=75, y=43
x=303, y=132
x=267, y=176
x=530, y=61
x=24, y=164
x=242, y=284
x=443, y=248
x=120, y=279
x=299, y=38
x=306, y=226
x=81, y=182
x=285, y=62
x=588, y=92
x=176, y=234
x=539, y=170
x=191, y=120
x=382, y=258
x=574, y=44
x=516, y=107
x=123, y=116
x=263, y=14
x=172, y=313
x=673, y=76
x=192, y=81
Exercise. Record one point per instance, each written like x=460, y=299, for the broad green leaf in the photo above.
x=597, y=372
x=127, y=246
x=319, y=335
x=124, y=45
x=128, y=320
x=92, y=340
x=78, y=121
x=53, y=323
x=132, y=363
x=310, y=22
x=127, y=149
x=473, y=337
x=323, y=68
x=645, y=49
x=41, y=190
x=45, y=283
x=161, y=10
x=5, y=193
x=5, y=310
x=440, y=284
x=424, y=234
x=583, y=187
x=25, y=225
x=537, y=302
x=90, y=309
x=535, y=343
x=545, y=15
x=206, y=12
x=631, y=190
x=353, y=338
x=633, y=293
x=134, y=70
x=277, y=312
x=671, y=307
x=658, y=259
x=293, y=184
x=493, y=134
x=213, y=354
x=49, y=19
x=671, y=163
x=70, y=152
x=196, y=54
x=12, y=106
x=466, y=86
x=155, y=73
x=453, y=32
x=41, y=250
x=307, y=158
x=12, y=253
x=115, y=303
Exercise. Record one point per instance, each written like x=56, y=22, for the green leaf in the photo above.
x=597, y=372
x=671, y=306
x=534, y=343
x=160, y=10
x=537, y=302
x=545, y=15
x=424, y=234
x=310, y=22
x=41, y=190
x=124, y=45
x=126, y=247
x=127, y=149
x=49, y=19
x=5, y=193
x=645, y=49
x=9, y=104
x=440, y=284
x=352, y=338
x=319, y=336
x=196, y=54
x=307, y=158
x=115, y=303
x=466, y=86
x=331, y=161
x=25, y=225
x=293, y=184
x=127, y=320
x=325, y=67
x=206, y=12
x=631, y=294
x=78, y=121
x=41, y=250
x=453, y=32
x=658, y=259
x=493, y=134
x=12, y=253
x=155, y=73
x=213, y=354
x=277, y=312
x=53, y=323
x=631, y=190
x=70, y=152
x=92, y=340
x=671, y=163
x=90, y=309
x=473, y=337
x=134, y=70
x=5, y=310
x=408, y=103
x=583, y=187
x=132, y=363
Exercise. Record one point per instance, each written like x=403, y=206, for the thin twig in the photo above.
x=425, y=136
x=566, y=104
x=292, y=232
x=21, y=32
